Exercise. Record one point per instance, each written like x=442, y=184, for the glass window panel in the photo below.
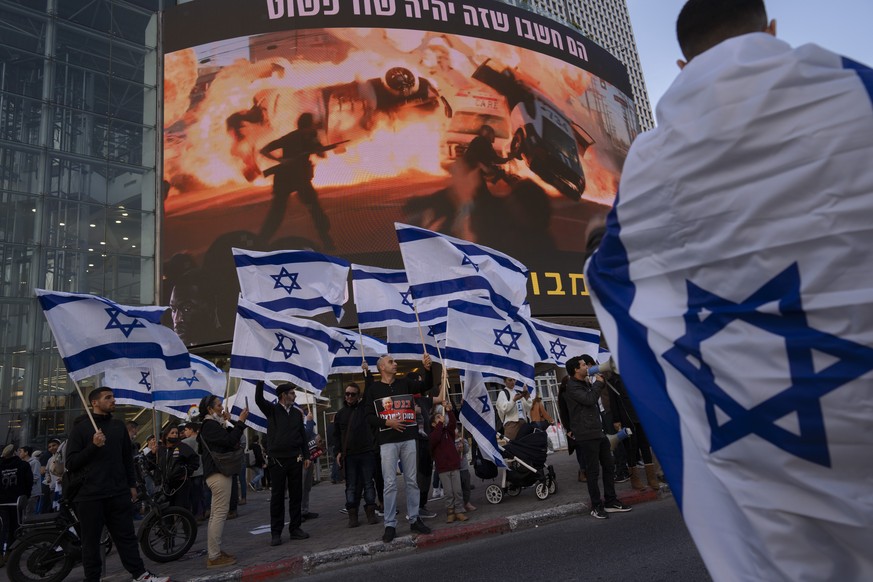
x=96, y=14
x=127, y=100
x=132, y=24
x=72, y=225
x=71, y=271
x=21, y=72
x=79, y=132
x=15, y=266
x=128, y=187
x=23, y=31
x=81, y=47
x=128, y=62
x=78, y=180
x=151, y=5
x=19, y=170
x=17, y=217
x=14, y=316
x=131, y=144
x=128, y=280
x=20, y=119
x=127, y=230
x=80, y=88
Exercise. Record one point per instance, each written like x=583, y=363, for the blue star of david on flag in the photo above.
x=350, y=345
x=145, y=380
x=125, y=328
x=292, y=281
x=513, y=338
x=486, y=404
x=708, y=314
x=283, y=349
x=467, y=261
x=558, y=350
x=407, y=298
x=191, y=380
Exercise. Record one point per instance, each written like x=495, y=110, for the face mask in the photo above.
x=173, y=440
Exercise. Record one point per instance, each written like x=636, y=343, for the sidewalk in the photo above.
x=333, y=544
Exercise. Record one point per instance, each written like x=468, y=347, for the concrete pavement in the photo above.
x=333, y=544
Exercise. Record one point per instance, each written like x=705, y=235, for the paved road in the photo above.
x=650, y=543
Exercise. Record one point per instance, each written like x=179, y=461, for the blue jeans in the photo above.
x=259, y=474
x=405, y=451
x=360, y=468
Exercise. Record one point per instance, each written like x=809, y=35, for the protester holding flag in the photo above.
x=216, y=438
x=513, y=406
x=734, y=286
x=448, y=461
x=103, y=458
x=356, y=454
x=289, y=455
x=390, y=410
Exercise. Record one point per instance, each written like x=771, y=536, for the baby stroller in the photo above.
x=525, y=459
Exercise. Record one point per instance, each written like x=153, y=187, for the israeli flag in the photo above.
x=95, y=334
x=441, y=268
x=564, y=341
x=132, y=386
x=734, y=287
x=178, y=392
x=350, y=353
x=484, y=339
x=383, y=299
x=270, y=345
x=293, y=282
x=404, y=343
x=477, y=415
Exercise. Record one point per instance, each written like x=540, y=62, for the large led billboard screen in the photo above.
x=319, y=123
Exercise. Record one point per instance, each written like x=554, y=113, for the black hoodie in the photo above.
x=108, y=469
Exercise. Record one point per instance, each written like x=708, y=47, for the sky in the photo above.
x=842, y=26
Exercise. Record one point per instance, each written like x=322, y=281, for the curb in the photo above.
x=330, y=559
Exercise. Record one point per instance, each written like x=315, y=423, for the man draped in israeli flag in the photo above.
x=352, y=352
x=477, y=414
x=270, y=345
x=441, y=268
x=485, y=339
x=565, y=341
x=404, y=343
x=293, y=282
x=171, y=392
x=735, y=288
x=383, y=299
x=95, y=334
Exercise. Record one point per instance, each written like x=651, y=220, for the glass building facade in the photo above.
x=79, y=105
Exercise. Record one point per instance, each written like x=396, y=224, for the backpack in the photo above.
x=482, y=467
x=57, y=464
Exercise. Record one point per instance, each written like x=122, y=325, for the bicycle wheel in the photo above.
x=40, y=556
x=167, y=534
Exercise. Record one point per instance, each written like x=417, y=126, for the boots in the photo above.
x=450, y=515
x=635, y=479
x=461, y=517
x=582, y=477
x=651, y=477
x=370, y=511
x=353, y=517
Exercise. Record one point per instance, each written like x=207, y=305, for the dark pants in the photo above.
x=637, y=445
x=115, y=514
x=597, y=455
x=8, y=525
x=359, y=469
x=425, y=470
x=182, y=496
x=285, y=474
x=378, y=479
x=196, y=496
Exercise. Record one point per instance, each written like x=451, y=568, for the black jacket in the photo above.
x=352, y=431
x=378, y=390
x=16, y=479
x=108, y=469
x=286, y=431
x=581, y=398
x=219, y=440
x=176, y=463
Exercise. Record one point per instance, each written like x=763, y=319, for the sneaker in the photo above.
x=380, y=513
x=389, y=534
x=617, y=506
x=438, y=493
x=418, y=527
x=232, y=514
x=425, y=513
x=344, y=510
x=469, y=507
x=308, y=515
x=220, y=562
x=298, y=534
x=276, y=541
x=598, y=512
x=149, y=577
x=252, y=486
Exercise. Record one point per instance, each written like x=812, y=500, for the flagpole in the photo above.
x=85, y=404
x=154, y=411
x=361, y=337
x=444, y=380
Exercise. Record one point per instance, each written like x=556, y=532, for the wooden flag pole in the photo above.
x=87, y=405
